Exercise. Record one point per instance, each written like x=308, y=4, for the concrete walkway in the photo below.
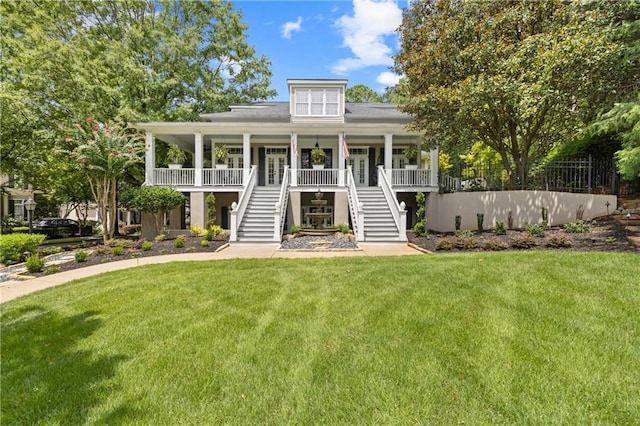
x=10, y=290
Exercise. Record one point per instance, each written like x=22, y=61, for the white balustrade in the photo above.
x=408, y=177
x=313, y=177
x=222, y=177
x=174, y=177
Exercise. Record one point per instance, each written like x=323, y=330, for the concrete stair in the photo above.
x=257, y=223
x=378, y=220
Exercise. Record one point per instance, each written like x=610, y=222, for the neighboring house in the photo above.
x=14, y=194
x=268, y=181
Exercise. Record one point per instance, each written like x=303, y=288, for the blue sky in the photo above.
x=353, y=40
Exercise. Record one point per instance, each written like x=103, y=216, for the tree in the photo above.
x=141, y=60
x=103, y=152
x=521, y=77
x=156, y=201
x=361, y=93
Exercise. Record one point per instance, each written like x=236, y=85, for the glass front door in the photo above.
x=359, y=162
x=276, y=159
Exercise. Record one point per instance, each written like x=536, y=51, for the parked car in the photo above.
x=57, y=227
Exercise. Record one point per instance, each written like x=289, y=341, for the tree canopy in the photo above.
x=362, y=93
x=521, y=77
x=139, y=60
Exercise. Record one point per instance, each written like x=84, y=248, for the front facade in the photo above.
x=267, y=182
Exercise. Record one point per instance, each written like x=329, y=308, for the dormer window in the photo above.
x=317, y=102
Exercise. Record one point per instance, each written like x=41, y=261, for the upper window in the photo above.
x=317, y=102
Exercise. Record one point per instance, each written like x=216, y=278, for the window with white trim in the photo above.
x=317, y=102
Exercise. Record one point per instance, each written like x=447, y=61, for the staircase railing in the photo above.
x=355, y=206
x=238, y=209
x=397, y=209
x=281, y=206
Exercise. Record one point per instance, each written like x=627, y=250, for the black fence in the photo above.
x=586, y=175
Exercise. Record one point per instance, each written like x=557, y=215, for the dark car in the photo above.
x=57, y=227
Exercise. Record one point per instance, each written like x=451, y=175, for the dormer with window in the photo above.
x=317, y=100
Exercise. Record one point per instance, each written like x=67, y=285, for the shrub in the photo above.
x=344, y=228
x=13, y=246
x=494, y=244
x=212, y=232
x=119, y=242
x=81, y=256
x=464, y=233
x=577, y=227
x=21, y=229
x=159, y=237
x=500, y=228
x=34, y=263
x=147, y=245
x=190, y=249
x=536, y=230
x=446, y=244
x=458, y=222
x=51, y=270
x=117, y=251
x=204, y=243
x=419, y=229
x=525, y=241
x=100, y=250
x=558, y=241
x=480, y=220
x=466, y=243
x=179, y=241
x=136, y=254
x=196, y=231
x=164, y=251
x=52, y=250
x=295, y=229
x=610, y=240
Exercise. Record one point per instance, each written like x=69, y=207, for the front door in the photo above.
x=275, y=160
x=359, y=162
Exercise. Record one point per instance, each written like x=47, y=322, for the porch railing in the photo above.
x=238, y=209
x=408, y=177
x=174, y=177
x=222, y=177
x=313, y=177
x=281, y=206
x=397, y=210
x=356, y=208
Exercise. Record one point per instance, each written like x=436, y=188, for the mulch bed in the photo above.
x=605, y=234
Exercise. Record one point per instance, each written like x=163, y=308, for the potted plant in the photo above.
x=221, y=153
x=176, y=157
x=411, y=154
x=317, y=157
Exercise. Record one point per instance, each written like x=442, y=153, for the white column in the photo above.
x=434, y=167
x=198, y=159
x=246, y=157
x=149, y=159
x=388, y=155
x=294, y=160
x=341, y=160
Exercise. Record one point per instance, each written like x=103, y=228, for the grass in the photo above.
x=540, y=337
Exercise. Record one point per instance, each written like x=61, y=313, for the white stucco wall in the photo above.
x=526, y=207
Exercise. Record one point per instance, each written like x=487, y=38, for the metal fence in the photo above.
x=586, y=175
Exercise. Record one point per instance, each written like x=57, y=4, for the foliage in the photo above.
x=204, y=243
x=160, y=237
x=103, y=152
x=52, y=270
x=343, y=228
x=157, y=201
x=34, y=263
x=212, y=232
x=500, y=228
x=558, y=241
x=211, y=210
x=458, y=222
x=81, y=256
x=52, y=250
x=411, y=153
x=117, y=251
x=524, y=241
x=175, y=155
x=494, y=244
x=196, y=231
x=536, y=229
x=464, y=233
x=121, y=242
x=295, y=229
x=446, y=244
x=577, y=227
x=361, y=93
x=179, y=241
x=13, y=246
x=466, y=242
x=147, y=245
x=520, y=77
x=420, y=227
x=221, y=153
x=131, y=229
x=318, y=155
x=480, y=222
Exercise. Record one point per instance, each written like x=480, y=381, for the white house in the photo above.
x=268, y=180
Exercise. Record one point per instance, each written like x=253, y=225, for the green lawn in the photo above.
x=537, y=338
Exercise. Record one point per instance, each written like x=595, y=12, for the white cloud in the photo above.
x=364, y=34
x=290, y=27
x=388, y=79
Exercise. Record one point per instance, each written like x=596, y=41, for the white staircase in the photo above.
x=258, y=220
x=378, y=219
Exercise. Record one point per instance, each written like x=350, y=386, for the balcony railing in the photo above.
x=408, y=177
x=222, y=177
x=174, y=177
x=323, y=177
